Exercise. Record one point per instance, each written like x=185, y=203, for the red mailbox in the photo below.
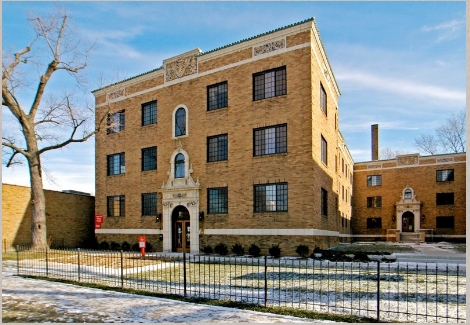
x=142, y=241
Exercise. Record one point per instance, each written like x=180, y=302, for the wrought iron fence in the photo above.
x=402, y=292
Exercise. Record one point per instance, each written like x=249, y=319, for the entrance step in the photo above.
x=410, y=237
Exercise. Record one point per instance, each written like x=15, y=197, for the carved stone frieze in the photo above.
x=374, y=166
x=116, y=94
x=269, y=47
x=179, y=195
x=407, y=160
x=181, y=67
x=444, y=160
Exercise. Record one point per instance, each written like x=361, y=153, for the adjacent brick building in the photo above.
x=238, y=144
x=69, y=217
x=409, y=198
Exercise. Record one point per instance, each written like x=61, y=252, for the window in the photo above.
x=217, y=96
x=408, y=194
x=269, y=83
x=116, y=164
x=180, y=122
x=149, y=204
x=217, y=148
x=323, y=99
x=116, y=122
x=149, y=158
x=270, y=140
x=374, y=202
x=445, y=222
x=149, y=113
x=217, y=200
x=374, y=180
x=324, y=151
x=270, y=198
x=116, y=205
x=445, y=175
x=324, y=202
x=179, y=166
x=444, y=198
x=373, y=223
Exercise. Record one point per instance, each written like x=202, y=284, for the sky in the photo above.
x=400, y=65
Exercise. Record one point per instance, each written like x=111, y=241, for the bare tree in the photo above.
x=450, y=137
x=389, y=153
x=50, y=121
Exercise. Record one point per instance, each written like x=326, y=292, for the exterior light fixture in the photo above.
x=201, y=215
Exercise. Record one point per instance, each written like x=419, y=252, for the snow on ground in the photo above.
x=29, y=300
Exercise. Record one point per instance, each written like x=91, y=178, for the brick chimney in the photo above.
x=375, y=141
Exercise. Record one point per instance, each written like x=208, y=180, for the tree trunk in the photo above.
x=38, y=203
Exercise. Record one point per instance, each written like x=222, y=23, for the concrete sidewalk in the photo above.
x=432, y=253
x=37, y=301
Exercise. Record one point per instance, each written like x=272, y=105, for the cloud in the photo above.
x=402, y=86
x=446, y=30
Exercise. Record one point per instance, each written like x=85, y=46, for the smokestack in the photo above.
x=375, y=141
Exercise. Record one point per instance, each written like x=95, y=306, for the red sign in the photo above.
x=99, y=218
x=98, y=221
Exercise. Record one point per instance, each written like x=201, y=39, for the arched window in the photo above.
x=180, y=122
x=179, y=166
x=407, y=193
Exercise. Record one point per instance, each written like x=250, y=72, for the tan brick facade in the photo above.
x=70, y=217
x=419, y=175
x=183, y=82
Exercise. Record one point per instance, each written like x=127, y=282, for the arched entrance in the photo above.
x=408, y=222
x=181, y=229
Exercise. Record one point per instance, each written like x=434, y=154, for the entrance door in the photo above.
x=181, y=229
x=182, y=234
x=408, y=222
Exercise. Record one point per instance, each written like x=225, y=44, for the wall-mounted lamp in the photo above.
x=393, y=218
x=158, y=218
x=422, y=217
x=160, y=237
x=201, y=215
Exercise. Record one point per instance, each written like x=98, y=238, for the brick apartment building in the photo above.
x=410, y=198
x=237, y=144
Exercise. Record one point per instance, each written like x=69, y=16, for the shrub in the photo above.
x=115, y=246
x=254, y=250
x=104, y=245
x=302, y=250
x=361, y=257
x=275, y=251
x=238, y=249
x=148, y=247
x=207, y=249
x=221, y=249
x=135, y=247
x=125, y=246
x=317, y=250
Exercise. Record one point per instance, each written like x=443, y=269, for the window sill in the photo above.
x=281, y=154
x=217, y=110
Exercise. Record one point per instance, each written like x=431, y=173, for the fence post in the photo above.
x=78, y=263
x=378, y=291
x=17, y=259
x=122, y=271
x=265, y=281
x=184, y=272
x=47, y=263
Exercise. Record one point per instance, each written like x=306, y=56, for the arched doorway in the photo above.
x=408, y=222
x=181, y=229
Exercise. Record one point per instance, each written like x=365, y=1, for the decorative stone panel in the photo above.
x=181, y=67
x=269, y=47
x=444, y=160
x=407, y=160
